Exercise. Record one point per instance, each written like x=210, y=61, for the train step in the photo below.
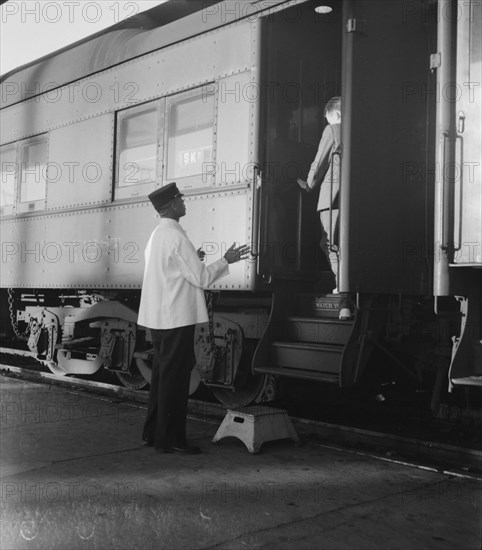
x=475, y=378
x=256, y=425
x=314, y=344
x=319, y=305
x=327, y=377
x=317, y=330
x=296, y=356
x=468, y=381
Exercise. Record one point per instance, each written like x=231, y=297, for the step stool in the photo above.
x=255, y=425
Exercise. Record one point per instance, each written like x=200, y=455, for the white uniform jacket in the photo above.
x=174, y=277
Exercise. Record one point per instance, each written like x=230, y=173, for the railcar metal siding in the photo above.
x=81, y=164
x=104, y=247
x=83, y=241
x=121, y=43
x=198, y=61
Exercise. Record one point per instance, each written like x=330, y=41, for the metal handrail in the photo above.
x=443, y=218
x=334, y=247
x=457, y=243
x=258, y=202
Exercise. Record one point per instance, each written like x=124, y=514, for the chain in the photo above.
x=18, y=334
x=209, y=305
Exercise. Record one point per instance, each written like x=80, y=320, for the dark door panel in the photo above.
x=385, y=230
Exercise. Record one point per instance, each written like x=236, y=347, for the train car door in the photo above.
x=385, y=192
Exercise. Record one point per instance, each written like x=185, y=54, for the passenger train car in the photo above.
x=226, y=99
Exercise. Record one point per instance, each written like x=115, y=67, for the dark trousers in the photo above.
x=171, y=372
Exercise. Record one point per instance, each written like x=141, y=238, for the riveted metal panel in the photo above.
x=216, y=220
x=198, y=61
x=117, y=44
x=235, y=94
x=104, y=247
x=128, y=229
x=11, y=266
x=80, y=163
x=58, y=250
x=213, y=221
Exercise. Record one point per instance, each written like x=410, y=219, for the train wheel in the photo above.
x=54, y=368
x=254, y=389
x=133, y=379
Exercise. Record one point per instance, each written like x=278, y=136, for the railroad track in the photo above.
x=450, y=459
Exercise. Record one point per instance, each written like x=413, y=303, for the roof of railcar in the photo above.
x=151, y=30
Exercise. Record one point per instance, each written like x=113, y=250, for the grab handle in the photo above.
x=334, y=247
x=459, y=162
x=443, y=202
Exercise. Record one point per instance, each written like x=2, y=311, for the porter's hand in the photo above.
x=303, y=184
x=234, y=255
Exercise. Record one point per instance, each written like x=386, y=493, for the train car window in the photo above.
x=8, y=171
x=137, y=145
x=33, y=174
x=190, y=140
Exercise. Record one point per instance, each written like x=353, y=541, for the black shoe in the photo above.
x=184, y=450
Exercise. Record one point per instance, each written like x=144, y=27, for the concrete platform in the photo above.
x=74, y=475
